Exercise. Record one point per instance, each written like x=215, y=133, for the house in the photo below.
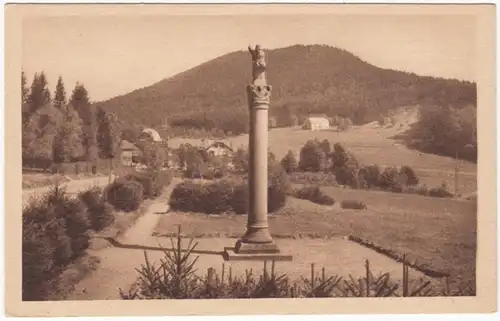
x=219, y=149
x=129, y=152
x=316, y=123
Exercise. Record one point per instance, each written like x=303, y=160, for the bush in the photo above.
x=152, y=181
x=312, y=157
x=54, y=232
x=289, y=162
x=370, y=176
x=409, y=175
x=278, y=185
x=239, y=201
x=345, y=175
x=389, y=178
x=308, y=178
x=314, y=194
x=77, y=225
x=440, y=192
x=227, y=195
x=100, y=212
x=125, y=195
x=218, y=197
x=351, y=204
x=188, y=196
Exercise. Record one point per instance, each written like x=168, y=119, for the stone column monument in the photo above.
x=257, y=243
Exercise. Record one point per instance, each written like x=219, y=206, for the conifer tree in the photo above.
x=68, y=145
x=60, y=94
x=108, y=134
x=39, y=95
x=81, y=102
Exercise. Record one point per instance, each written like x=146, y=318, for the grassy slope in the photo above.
x=372, y=145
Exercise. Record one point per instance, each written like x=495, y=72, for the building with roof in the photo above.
x=151, y=135
x=129, y=152
x=316, y=123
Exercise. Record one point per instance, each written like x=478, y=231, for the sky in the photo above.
x=114, y=55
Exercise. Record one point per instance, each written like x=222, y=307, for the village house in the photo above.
x=129, y=153
x=316, y=123
x=219, y=149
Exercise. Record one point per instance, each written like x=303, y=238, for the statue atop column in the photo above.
x=259, y=91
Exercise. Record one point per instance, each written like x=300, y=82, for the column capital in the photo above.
x=259, y=95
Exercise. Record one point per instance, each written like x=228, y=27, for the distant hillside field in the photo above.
x=373, y=145
x=305, y=80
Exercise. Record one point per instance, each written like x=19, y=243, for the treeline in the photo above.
x=448, y=131
x=306, y=80
x=60, y=130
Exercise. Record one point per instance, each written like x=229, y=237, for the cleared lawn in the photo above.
x=438, y=233
x=33, y=180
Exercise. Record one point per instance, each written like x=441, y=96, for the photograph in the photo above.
x=177, y=154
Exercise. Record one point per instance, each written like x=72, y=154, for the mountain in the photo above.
x=305, y=80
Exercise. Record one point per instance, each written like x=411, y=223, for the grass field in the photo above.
x=372, y=145
x=33, y=180
x=439, y=234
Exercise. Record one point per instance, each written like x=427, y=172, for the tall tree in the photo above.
x=25, y=108
x=68, y=145
x=81, y=102
x=39, y=95
x=24, y=88
x=108, y=134
x=40, y=134
x=60, y=94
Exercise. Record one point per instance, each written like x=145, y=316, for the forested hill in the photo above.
x=305, y=80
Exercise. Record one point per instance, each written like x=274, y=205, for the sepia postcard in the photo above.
x=191, y=159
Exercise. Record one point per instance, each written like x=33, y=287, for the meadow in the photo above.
x=373, y=145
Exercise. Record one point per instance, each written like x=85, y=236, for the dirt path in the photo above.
x=117, y=265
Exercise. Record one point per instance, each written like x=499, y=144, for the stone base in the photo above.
x=242, y=247
x=231, y=255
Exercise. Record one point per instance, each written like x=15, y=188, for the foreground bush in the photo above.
x=354, y=205
x=55, y=231
x=178, y=280
x=125, y=195
x=100, y=212
x=314, y=194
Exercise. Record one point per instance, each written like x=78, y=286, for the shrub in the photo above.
x=409, y=175
x=314, y=194
x=153, y=181
x=389, y=178
x=188, y=196
x=77, y=225
x=278, y=185
x=217, y=197
x=325, y=179
x=125, y=195
x=100, y=212
x=289, y=162
x=370, y=176
x=312, y=157
x=346, y=176
x=239, y=201
x=440, y=192
x=352, y=204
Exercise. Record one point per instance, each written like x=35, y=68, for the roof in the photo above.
x=317, y=119
x=220, y=145
x=152, y=133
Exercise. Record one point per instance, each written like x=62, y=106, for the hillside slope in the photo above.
x=305, y=79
